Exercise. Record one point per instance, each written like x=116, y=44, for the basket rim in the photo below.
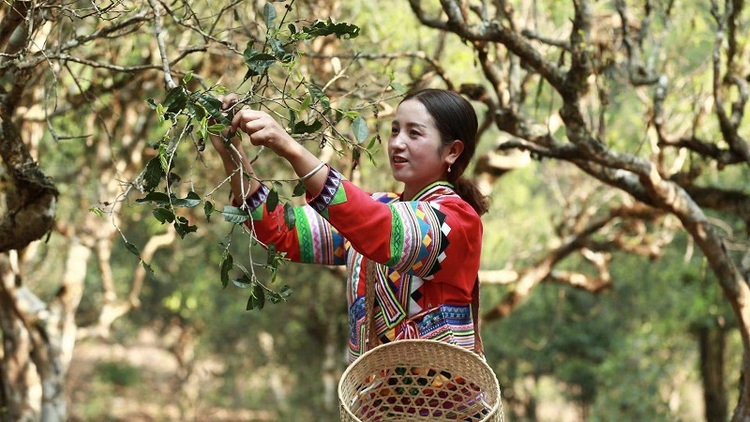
x=432, y=343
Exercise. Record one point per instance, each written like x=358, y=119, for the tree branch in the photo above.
x=491, y=31
x=159, y=33
x=530, y=277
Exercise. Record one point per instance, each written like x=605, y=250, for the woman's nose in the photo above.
x=396, y=141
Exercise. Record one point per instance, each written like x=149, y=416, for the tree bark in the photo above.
x=30, y=198
x=32, y=371
x=712, y=343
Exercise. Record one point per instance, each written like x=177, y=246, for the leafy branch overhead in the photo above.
x=191, y=116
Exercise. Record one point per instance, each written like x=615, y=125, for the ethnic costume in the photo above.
x=427, y=252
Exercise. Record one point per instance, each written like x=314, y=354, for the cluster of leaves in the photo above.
x=198, y=114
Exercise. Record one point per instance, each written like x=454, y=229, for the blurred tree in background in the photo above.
x=615, y=260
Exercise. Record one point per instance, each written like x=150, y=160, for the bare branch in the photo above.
x=160, y=42
x=576, y=85
x=582, y=281
x=543, y=268
x=13, y=18
x=491, y=31
x=729, y=126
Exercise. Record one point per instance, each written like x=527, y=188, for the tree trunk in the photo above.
x=712, y=342
x=29, y=200
x=16, y=366
x=737, y=292
x=32, y=373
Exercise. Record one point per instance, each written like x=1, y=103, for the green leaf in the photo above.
x=302, y=127
x=318, y=94
x=183, y=227
x=243, y=282
x=188, y=76
x=299, y=189
x=359, y=127
x=160, y=112
x=234, y=215
x=158, y=198
x=399, y=87
x=278, y=51
x=97, y=211
x=274, y=297
x=191, y=200
x=208, y=209
x=175, y=100
x=149, y=270
x=173, y=178
x=213, y=106
x=306, y=103
x=271, y=254
x=153, y=174
x=132, y=248
x=269, y=15
x=289, y=218
x=196, y=112
x=260, y=296
x=163, y=215
x=340, y=30
x=292, y=117
x=226, y=266
x=273, y=200
x=163, y=161
x=285, y=291
x=217, y=128
x=257, y=62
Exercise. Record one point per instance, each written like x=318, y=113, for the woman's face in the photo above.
x=416, y=154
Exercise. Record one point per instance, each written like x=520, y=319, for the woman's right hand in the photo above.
x=263, y=130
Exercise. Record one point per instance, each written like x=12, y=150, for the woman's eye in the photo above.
x=414, y=133
x=394, y=130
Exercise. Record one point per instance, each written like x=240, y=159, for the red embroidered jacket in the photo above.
x=427, y=251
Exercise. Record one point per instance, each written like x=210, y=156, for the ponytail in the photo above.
x=469, y=192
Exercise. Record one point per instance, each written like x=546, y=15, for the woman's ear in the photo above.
x=453, y=151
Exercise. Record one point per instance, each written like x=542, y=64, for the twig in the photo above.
x=160, y=42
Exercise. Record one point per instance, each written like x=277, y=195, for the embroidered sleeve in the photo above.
x=409, y=237
x=312, y=239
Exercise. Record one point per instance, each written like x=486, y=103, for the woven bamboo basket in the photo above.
x=409, y=380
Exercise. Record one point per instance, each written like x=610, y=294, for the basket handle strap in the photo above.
x=371, y=339
x=478, y=345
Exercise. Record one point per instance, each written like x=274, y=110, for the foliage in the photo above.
x=196, y=115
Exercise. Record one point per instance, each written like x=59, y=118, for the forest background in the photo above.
x=613, y=146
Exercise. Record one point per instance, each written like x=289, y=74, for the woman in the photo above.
x=426, y=241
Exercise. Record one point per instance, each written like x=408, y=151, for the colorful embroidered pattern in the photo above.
x=445, y=323
x=256, y=200
x=330, y=194
x=427, y=251
x=319, y=241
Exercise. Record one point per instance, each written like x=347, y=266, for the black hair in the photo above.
x=455, y=119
